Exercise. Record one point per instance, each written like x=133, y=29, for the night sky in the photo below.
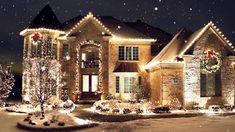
x=169, y=15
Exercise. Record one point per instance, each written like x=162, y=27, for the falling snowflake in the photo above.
x=155, y=8
x=191, y=9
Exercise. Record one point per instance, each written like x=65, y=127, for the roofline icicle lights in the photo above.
x=40, y=30
x=89, y=15
x=113, y=38
x=210, y=24
x=149, y=66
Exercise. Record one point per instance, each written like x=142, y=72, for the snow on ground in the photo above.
x=193, y=124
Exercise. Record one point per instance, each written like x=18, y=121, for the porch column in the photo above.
x=104, y=69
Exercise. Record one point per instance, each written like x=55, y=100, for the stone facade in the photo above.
x=192, y=73
x=173, y=82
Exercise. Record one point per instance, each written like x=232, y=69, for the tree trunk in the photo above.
x=42, y=110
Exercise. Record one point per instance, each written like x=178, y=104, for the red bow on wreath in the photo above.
x=210, y=53
x=36, y=36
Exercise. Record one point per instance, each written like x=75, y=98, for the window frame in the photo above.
x=128, y=53
x=128, y=86
x=117, y=84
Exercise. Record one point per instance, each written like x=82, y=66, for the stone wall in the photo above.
x=192, y=95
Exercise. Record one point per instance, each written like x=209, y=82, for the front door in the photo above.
x=89, y=86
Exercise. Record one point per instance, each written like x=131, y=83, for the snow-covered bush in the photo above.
x=228, y=107
x=126, y=111
x=55, y=102
x=68, y=104
x=214, y=108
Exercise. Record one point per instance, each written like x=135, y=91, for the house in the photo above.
x=100, y=55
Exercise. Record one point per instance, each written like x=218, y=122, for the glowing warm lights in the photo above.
x=88, y=16
x=152, y=64
x=210, y=24
x=22, y=33
x=115, y=38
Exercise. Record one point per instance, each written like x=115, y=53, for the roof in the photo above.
x=162, y=36
x=127, y=67
x=183, y=41
x=115, y=26
x=173, y=48
x=45, y=19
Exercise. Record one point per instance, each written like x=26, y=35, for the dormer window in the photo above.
x=128, y=53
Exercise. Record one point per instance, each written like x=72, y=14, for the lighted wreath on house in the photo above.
x=37, y=38
x=210, y=61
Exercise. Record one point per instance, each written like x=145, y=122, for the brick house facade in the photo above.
x=102, y=56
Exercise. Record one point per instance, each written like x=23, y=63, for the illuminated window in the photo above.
x=85, y=83
x=65, y=51
x=117, y=84
x=94, y=83
x=128, y=84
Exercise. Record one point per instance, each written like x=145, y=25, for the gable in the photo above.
x=184, y=44
x=210, y=33
x=88, y=23
x=211, y=40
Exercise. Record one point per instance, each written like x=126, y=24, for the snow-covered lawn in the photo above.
x=193, y=124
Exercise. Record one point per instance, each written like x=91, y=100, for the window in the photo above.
x=54, y=51
x=121, y=52
x=128, y=53
x=128, y=84
x=85, y=83
x=135, y=53
x=117, y=84
x=94, y=83
x=65, y=51
x=210, y=84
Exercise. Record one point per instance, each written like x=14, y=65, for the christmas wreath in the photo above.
x=210, y=61
x=37, y=38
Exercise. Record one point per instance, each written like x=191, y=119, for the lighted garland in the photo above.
x=210, y=61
